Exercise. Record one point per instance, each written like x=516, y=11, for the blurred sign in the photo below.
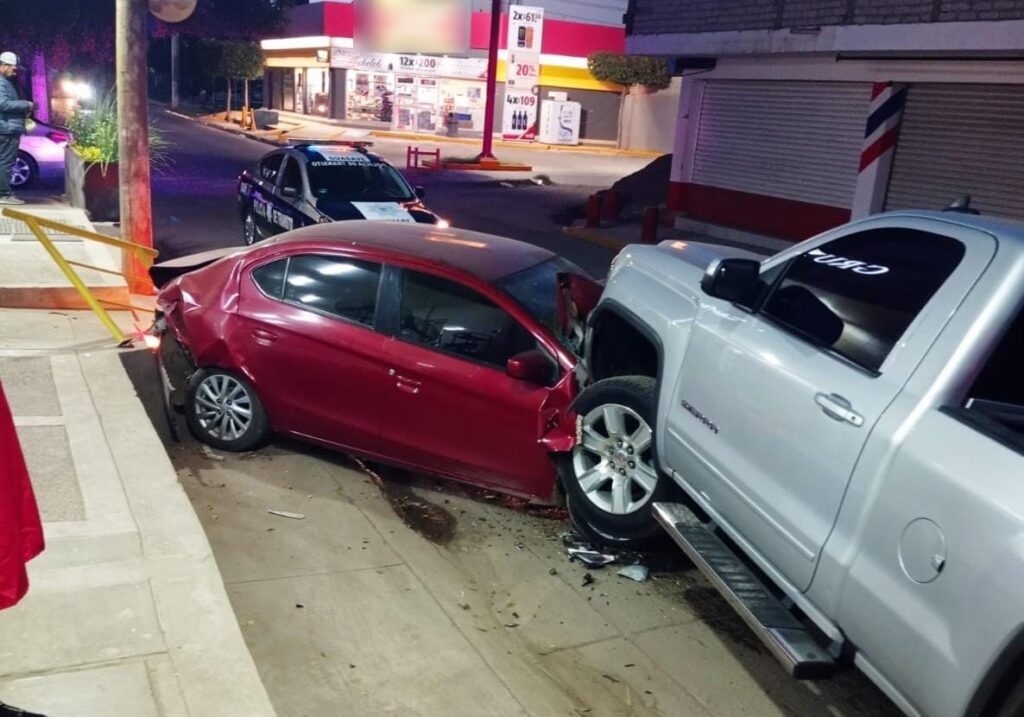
x=412, y=26
x=172, y=10
x=466, y=68
x=522, y=72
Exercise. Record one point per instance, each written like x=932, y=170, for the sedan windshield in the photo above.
x=536, y=288
x=363, y=182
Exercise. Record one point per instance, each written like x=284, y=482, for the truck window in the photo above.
x=995, y=403
x=875, y=282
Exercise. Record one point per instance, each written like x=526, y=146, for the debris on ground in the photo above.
x=286, y=514
x=208, y=453
x=640, y=573
x=553, y=571
x=299, y=605
x=611, y=679
x=587, y=579
x=589, y=557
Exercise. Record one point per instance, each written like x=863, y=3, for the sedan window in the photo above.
x=358, y=182
x=270, y=278
x=450, y=317
x=270, y=166
x=334, y=285
x=292, y=175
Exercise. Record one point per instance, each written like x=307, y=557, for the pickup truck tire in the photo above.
x=1013, y=705
x=611, y=478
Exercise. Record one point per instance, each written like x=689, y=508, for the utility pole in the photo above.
x=486, y=152
x=133, y=137
x=175, y=59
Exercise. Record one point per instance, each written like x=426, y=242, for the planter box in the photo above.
x=264, y=118
x=92, y=189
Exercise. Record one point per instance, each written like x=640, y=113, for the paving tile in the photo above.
x=28, y=385
x=54, y=479
x=122, y=689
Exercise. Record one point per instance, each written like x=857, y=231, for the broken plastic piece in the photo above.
x=640, y=573
x=590, y=557
x=587, y=579
x=286, y=514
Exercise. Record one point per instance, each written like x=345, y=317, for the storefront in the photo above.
x=323, y=74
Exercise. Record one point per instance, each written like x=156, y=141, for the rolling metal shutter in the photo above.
x=961, y=139
x=795, y=140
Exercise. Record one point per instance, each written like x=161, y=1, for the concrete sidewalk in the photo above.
x=294, y=127
x=126, y=613
x=616, y=235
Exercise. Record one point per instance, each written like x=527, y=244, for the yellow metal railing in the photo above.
x=145, y=256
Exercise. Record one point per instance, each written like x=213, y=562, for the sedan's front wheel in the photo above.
x=611, y=478
x=223, y=411
x=24, y=171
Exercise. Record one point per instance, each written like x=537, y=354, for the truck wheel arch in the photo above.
x=614, y=326
x=1000, y=679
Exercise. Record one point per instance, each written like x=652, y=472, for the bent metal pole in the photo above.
x=486, y=152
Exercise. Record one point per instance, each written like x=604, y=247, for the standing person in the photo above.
x=21, y=531
x=13, y=112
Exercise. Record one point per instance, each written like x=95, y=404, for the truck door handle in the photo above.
x=838, y=408
x=264, y=337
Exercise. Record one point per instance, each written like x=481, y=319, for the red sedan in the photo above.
x=436, y=349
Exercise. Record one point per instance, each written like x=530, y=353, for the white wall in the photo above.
x=649, y=121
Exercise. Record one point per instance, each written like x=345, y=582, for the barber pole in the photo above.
x=881, y=134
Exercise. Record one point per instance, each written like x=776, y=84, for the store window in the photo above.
x=370, y=96
x=318, y=95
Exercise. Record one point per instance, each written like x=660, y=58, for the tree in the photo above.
x=233, y=60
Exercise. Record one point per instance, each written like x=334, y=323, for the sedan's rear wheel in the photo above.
x=224, y=411
x=24, y=171
x=611, y=478
x=249, y=228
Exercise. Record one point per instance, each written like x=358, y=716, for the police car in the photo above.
x=306, y=184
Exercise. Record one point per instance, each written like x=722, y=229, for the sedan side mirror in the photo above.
x=289, y=192
x=532, y=366
x=735, y=280
x=420, y=192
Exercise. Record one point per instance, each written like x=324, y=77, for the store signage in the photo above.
x=413, y=26
x=522, y=72
x=464, y=68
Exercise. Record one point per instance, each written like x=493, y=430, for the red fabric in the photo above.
x=21, y=532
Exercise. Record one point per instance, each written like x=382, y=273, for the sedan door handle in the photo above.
x=264, y=337
x=838, y=408
x=408, y=385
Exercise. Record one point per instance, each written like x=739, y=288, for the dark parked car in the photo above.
x=316, y=183
x=436, y=349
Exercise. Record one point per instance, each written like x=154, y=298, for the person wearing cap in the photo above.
x=13, y=111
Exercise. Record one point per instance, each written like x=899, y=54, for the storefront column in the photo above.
x=881, y=135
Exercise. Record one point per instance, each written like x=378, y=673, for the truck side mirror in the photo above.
x=735, y=280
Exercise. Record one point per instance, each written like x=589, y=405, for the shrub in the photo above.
x=628, y=70
x=94, y=136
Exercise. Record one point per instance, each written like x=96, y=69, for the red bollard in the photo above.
x=611, y=204
x=593, y=211
x=649, y=228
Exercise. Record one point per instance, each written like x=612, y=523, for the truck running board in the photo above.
x=783, y=635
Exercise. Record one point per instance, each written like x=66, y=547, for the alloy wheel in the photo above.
x=614, y=459
x=223, y=407
x=250, y=229
x=21, y=172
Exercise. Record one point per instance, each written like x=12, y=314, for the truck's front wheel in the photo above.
x=611, y=478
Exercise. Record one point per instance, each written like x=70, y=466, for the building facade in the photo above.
x=315, y=69
x=797, y=115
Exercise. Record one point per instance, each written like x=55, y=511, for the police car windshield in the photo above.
x=357, y=182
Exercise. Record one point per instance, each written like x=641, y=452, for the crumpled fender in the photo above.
x=558, y=432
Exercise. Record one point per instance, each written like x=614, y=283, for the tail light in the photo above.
x=59, y=137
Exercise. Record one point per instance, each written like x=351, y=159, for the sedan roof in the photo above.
x=486, y=256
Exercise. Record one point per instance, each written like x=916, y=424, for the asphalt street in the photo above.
x=194, y=205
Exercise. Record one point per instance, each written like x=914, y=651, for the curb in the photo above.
x=594, y=236
x=228, y=130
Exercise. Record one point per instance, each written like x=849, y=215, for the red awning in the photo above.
x=21, y=532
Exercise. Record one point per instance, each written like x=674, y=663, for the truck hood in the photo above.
x=700, y=255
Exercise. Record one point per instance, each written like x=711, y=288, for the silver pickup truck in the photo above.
x=835, y=436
